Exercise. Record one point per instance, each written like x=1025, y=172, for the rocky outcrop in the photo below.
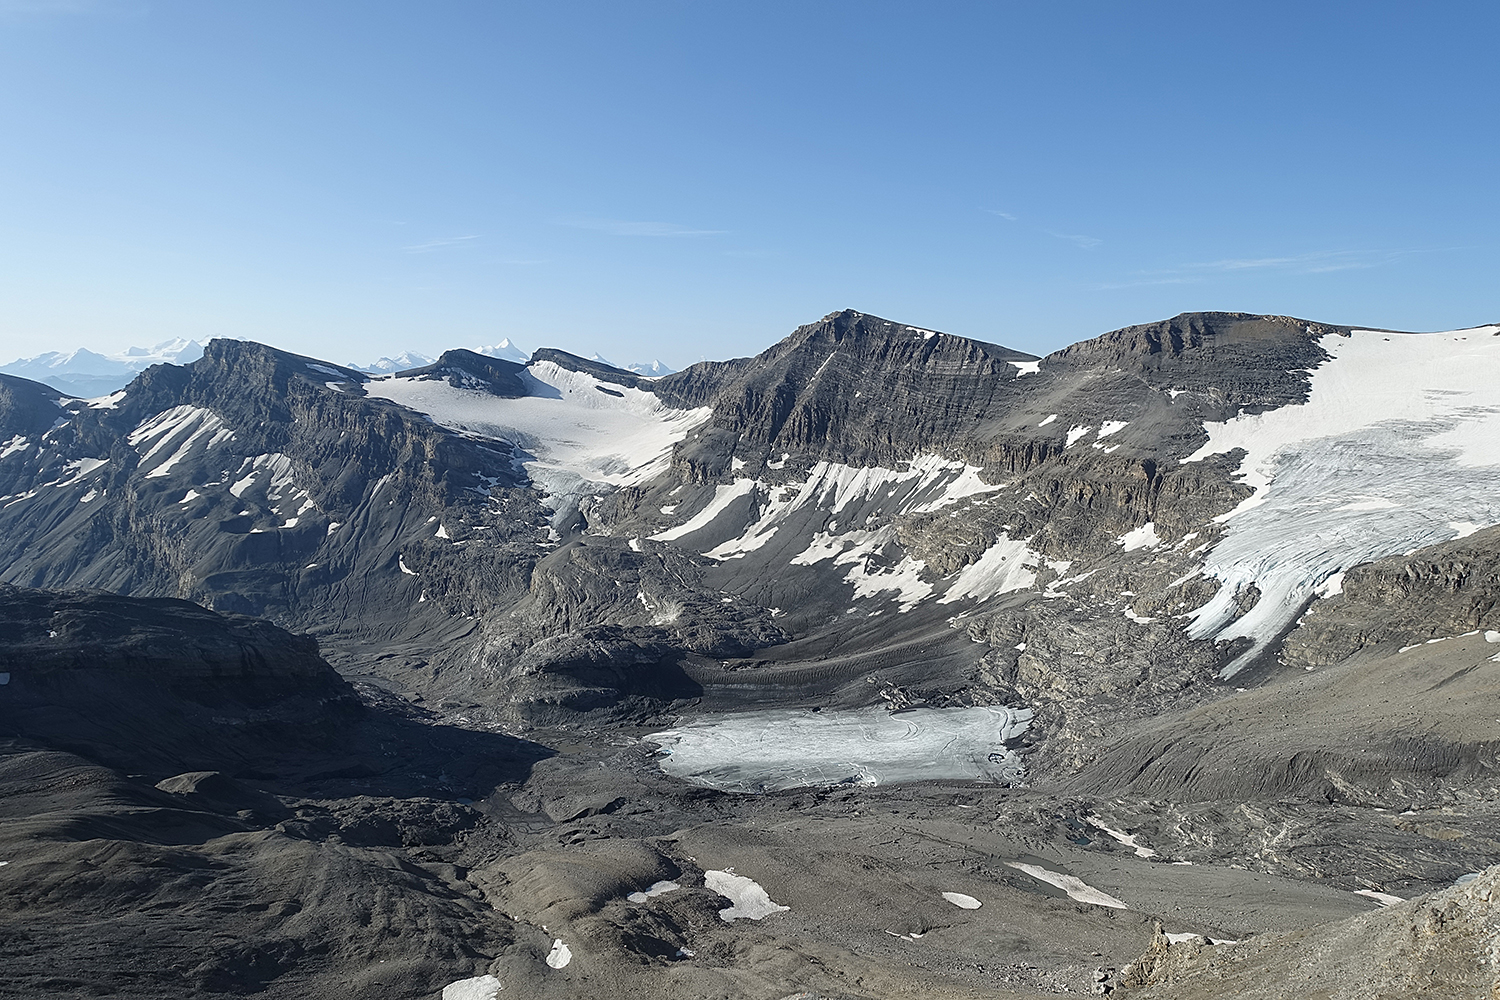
x=468, y=370
x=1443, y=590
x=1442, y=945
x=143, y=681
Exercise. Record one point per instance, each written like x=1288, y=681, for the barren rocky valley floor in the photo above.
x=885, y=663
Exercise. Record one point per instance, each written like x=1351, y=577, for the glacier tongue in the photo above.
x=1396, y=448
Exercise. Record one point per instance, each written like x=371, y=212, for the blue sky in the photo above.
x=691, y=179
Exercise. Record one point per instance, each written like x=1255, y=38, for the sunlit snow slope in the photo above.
x=1397, y=447
x=583, y=435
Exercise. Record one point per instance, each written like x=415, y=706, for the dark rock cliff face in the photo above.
x=266, y=483
x=27, y=409
x=851, y=388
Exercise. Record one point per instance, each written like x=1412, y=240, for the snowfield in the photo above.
x=1396, y=448
x=580, y=440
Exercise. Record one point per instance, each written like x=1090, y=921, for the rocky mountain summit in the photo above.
x=1194, y=623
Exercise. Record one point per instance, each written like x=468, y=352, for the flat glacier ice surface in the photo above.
x=776, y=749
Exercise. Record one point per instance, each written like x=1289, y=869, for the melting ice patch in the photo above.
x=655, y=889
x=560, y=955
x=795, y=748
x=580, y=440
x=1396, y=448
x=748, y=901
x=857, y=549
x=962, y=900
x=478, y=988
x=1075, y=887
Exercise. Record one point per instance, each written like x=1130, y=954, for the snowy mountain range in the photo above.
x=933, y=642
x=87, y=374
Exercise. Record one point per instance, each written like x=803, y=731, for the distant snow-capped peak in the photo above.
x=505, y=350
x=87, y=373
x=402, y=362
x=651, y=369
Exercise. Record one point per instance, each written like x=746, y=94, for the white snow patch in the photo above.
x=325, y=370
x=401, y=561
x=857, y=549
x=560, y=955
x=1383, y=898
x=780, y=463
x=1027, y=367
x=15, y=444
x=1005, y=566
x=89, y=496
x=1411, y=419
x=736, y=464
x=962, y=900
x=1138, y=619
x=1047, y=420
x=191, y=496
x=747, y=899
x=1492, y=636
x=1076, y=432
x=1075, y=887
x=1143, y=537
x=277, y=465
x=1111, y=426
x=776, y=749
x=723, y=497
x=1463, y=529
x=1125, y=839
x=442, y=532
x=478, y=988
x=109, y=402
x=655, y=889
x=183, y=426
x=927, y=484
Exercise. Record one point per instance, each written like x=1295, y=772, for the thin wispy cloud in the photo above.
x=621, y=227
x=1083, y=241
x=1077, y=239
x=442, y=243
x=1111, y=286
x=1307, y=263
x=1316, y=262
